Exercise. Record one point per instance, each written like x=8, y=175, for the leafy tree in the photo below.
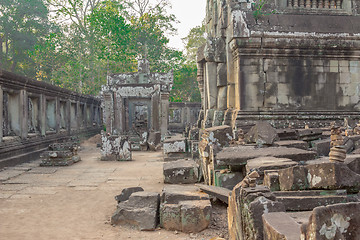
x=194, y=40
x=23, y=23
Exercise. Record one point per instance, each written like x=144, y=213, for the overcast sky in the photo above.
x=190, y=13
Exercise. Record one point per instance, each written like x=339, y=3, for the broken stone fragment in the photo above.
x=126, y=193
x=261, y=134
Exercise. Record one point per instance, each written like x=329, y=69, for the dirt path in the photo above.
x=77, y=202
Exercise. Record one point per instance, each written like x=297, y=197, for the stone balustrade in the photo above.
x=315, y=4
x=35, y=114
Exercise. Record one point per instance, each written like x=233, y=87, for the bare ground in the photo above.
x=76, y=202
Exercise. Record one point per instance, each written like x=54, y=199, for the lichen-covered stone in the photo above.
x=339, y=221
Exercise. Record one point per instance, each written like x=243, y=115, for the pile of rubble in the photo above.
x=177, y=208
x=61, y=154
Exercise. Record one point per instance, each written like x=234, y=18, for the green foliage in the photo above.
x=185, y=87
x=258, y=9
x=22, y=25
x=194, y=40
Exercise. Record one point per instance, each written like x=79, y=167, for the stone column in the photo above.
x=42, y=112
x=108, y=111
x=230, y=79
x=157, y=111
x=1, y=114
x=211, y=84
x=24, y=114
x=57, y=114
x=78, y=115
x=85, y=117
x=68, y=116
x=164, y=114
x=118, y=113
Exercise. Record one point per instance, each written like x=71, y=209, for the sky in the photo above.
x=190, y=13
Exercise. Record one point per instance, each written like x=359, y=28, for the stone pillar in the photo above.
x=156, y=120
x=57, y=114
x=85, y=117
x=230, y=79
x=78, y=115
x=108, y=111
x=68, y=116
x=118, y=114
x=164, y=113
x=24, y=114
x=211, y=84
x=42, y=117
x=1, y=114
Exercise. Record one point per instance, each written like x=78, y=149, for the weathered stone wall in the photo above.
x=287, y=56
x=182, y=114
x=35, y=114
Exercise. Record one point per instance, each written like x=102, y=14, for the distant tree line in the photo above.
x=75, y=43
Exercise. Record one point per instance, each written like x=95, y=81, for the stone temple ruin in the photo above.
x=277, y=138
x=135, y=109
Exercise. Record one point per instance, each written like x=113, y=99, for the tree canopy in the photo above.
x=76, y=43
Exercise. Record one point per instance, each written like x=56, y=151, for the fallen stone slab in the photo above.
x=293, y=144
x=319, y=176
x=309, y=134
x=239, y=155
x=268, y=163
x=307, y=203
x=261, y=134
x=279, y=225
x=126, y=193
x=181, y=172
x=219, y=192
x=287, y=134
x=140, y=210
x=339, y=221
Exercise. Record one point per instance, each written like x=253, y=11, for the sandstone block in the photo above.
x=268, y=163
x=173, y=194
x=339, y=221
x=181, y=172
x=154, y=140
x=279, y=225
x=332, y=176
x=195, y=215
x=293, y=178
x=271, y=180
x=140, y=211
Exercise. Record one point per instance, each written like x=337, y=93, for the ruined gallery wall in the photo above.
x=300, y=58
x=182, y=114
x=35, y=114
